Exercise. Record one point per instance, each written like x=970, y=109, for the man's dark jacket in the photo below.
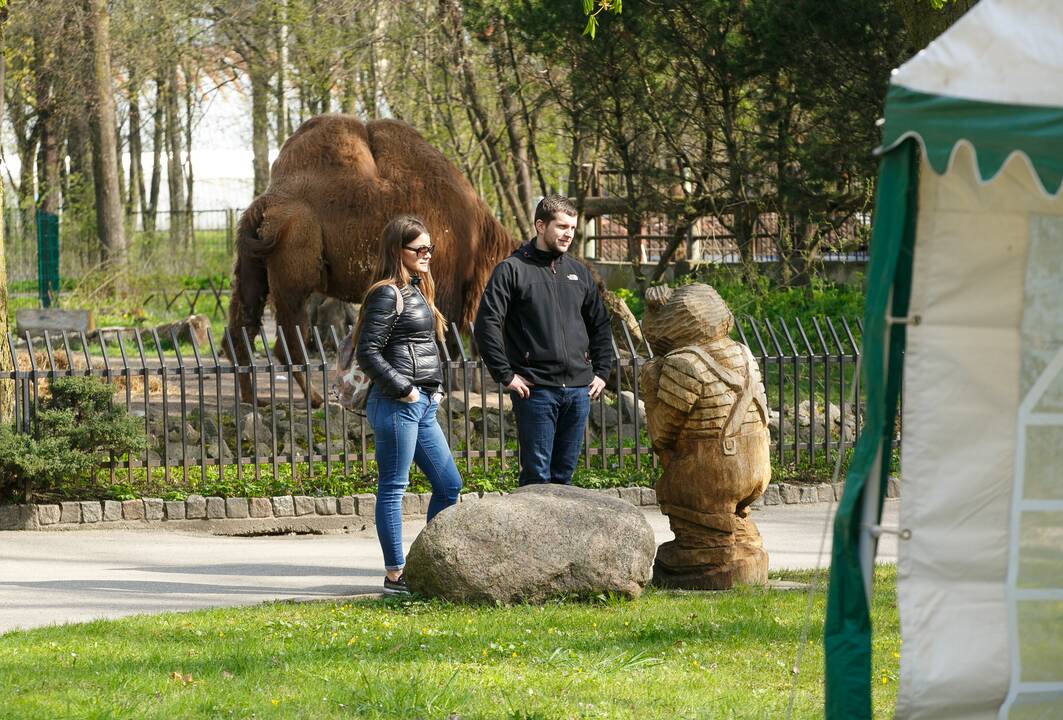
x=541, y=317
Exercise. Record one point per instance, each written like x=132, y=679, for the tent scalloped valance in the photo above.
x=995, y=131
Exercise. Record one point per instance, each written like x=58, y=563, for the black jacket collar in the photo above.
x=541, y=257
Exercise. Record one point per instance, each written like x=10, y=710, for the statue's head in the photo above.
x=687, y=315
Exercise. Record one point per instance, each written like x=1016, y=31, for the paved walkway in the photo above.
x=61, y=577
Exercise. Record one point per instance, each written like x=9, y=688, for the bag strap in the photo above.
x=742, y=385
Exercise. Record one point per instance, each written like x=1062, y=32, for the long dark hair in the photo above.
x=390, y=270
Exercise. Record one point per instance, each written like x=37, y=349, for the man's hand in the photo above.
x=596, y=387
x=521, y=386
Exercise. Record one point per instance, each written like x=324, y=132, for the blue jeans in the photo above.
x=406, y=433
x=550, y=425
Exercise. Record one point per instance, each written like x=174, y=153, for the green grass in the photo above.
x=666, y=655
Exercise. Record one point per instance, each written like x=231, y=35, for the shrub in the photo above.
x=76, y=425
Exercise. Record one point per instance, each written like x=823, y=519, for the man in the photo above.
x=543, y=332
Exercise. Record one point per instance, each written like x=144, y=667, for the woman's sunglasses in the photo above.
x=422, y=251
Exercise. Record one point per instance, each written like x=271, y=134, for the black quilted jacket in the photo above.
x=398, y=352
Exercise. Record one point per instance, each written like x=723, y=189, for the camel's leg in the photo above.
x=295, y=270
x=248, y=299
x=292, y=319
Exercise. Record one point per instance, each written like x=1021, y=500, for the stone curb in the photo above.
x=312, y=514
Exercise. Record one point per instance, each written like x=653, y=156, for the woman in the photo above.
x=397, y=348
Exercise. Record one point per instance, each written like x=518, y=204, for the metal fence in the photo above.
x=196, y=242
x=188, y=399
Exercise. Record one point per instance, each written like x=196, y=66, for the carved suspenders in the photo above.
x=743, y=387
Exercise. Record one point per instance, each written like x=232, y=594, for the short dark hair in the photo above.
x=551, y=205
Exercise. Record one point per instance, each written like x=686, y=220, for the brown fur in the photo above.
x=333, y=187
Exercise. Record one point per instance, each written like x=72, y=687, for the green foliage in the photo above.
x=315, y=481
x=76, y=427
x=761, y=298
x=634, y=301
x=593, y=8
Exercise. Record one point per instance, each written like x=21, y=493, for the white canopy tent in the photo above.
x=965, y=307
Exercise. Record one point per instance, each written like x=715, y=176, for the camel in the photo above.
x=335, y=184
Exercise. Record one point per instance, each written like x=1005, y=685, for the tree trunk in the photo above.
x=190, y=92
x=105, y=153
x=518, y=148
x=259, y=124
x=137, y=201
x=157, y=139
x=529, y=118
x=175, y=161
x=282, y=73
x=123, y=190
x=27, y=137
x=478, y=118
x=7, y=387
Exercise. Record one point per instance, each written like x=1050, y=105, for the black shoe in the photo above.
x=396, y=587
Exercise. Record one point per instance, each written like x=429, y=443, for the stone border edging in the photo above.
x=303, y=513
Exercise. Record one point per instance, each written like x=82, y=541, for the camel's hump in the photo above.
x=333, y=141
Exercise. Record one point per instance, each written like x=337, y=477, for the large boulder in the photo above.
x=540, y=542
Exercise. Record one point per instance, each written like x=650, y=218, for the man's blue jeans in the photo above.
x=550, y=425
x=406, y=433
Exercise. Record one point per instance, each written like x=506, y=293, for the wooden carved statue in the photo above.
x=707, y=415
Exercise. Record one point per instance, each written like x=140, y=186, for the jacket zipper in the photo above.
x=560, y=323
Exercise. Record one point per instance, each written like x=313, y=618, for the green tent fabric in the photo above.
x=847, y=634
x=995, y=130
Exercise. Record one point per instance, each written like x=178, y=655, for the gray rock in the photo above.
x=304, y=505
x=600, y=413
x=49, y=514
x=252, y=422
x=12, y=517
x=91, y=511
x=631, y=407
x=236, y=507
x=790, y=493
x=133, y=509
x=824, y=492
x=469, y=497
x=411, y=504
x=215, y=508
x=365, y=505
x=283, y=506
x=260, y=508
x=649, y=496
x=771, y=495
x=195, y=507
x=893, y=488
x=808, y=494
x=153, y=509
x=70, y=512
x=112, y=510
x=632, y=495
x=540, y=542
x=325, y=505
x=426, y=498
x=216, y=450
x=345, y=505
x=839, y=488
x=175, y=509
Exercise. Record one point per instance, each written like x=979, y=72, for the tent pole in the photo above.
x=869, y=520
